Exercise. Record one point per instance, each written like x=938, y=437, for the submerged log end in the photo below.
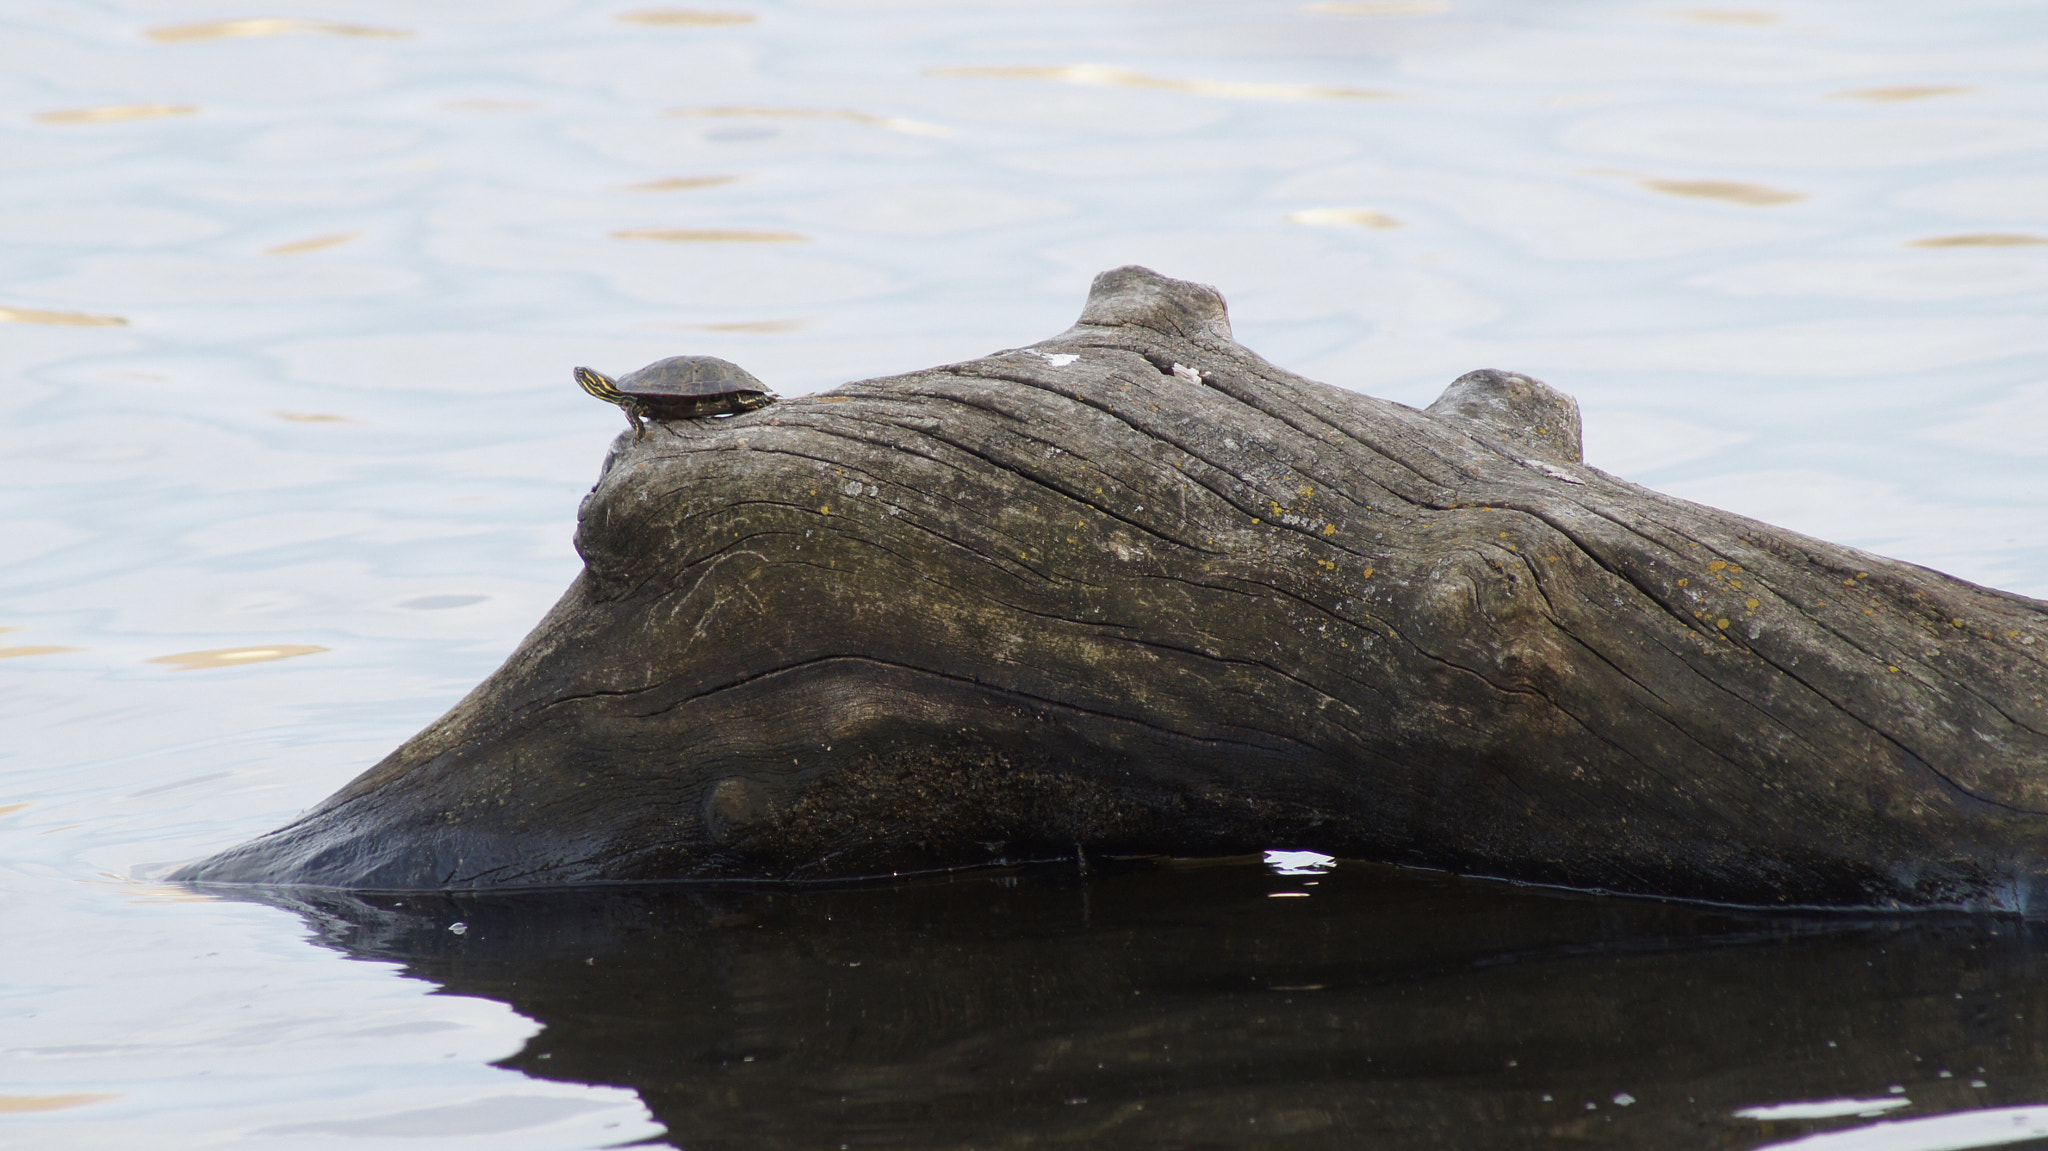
x=1516, y=411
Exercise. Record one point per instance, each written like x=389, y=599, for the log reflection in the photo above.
x=1201, y=1006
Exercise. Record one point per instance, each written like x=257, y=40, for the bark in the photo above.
x=1135, y=590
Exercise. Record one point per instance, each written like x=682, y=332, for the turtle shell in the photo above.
x=683, y=387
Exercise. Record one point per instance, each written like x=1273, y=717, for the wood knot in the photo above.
x=732, y=805
x=1134, y=296
x=1520, y=411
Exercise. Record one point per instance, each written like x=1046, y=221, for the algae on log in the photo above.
x=1136, y=590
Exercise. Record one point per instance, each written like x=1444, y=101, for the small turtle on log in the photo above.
x=679, y=388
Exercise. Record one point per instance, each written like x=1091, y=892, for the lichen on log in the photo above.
x=1135, y=590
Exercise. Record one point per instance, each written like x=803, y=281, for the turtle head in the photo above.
x=600, y=385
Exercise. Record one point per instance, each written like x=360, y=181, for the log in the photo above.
x=1134, y=590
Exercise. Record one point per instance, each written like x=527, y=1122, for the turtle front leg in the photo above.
x=634, y=413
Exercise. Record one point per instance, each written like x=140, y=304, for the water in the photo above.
x=289, y=457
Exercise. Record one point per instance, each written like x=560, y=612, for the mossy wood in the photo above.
x=1136, y=590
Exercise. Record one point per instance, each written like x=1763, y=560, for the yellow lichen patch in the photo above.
x=311, y=245
x=1725, y=15
x=1379, y=7
x=1733, y=191
x=711, y=236
x=1368, y=573
x=1721, y=623
x=1308, y=493
x=1329, y=529
x=680, y=183
x=1096, y=75
x=1342, y=218
x=10, y=808
x=1751, y=604
x=1684, y=583
x=1980, y=240
x=1718, y=566
x=21, y=1104
x=236, y=656
x=311, y=417
x=1902, y=92
x=271, y=26
x=107, y=113
x=687, y=16
x=34, y=649
x=892, y=123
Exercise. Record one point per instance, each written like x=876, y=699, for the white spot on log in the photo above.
x=1553, y=471
x=1187, y=373
x=1299, y=862
x=1057, y=359
x=852, y=488
x=1821, y=1109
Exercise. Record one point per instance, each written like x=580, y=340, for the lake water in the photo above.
x=290, y=455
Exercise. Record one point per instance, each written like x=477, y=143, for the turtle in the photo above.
x=679, y=388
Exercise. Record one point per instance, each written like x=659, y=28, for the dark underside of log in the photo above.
x=1136, y=590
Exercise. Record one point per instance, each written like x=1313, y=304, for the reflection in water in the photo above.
x=1982, y=240
x=1343, y=217
x=711, y=236
x=893, y=123
x=21, y=650
x=1096, y=75
x=1183, y=1006
x=236, y=656
x=1726, y=16
x=752, y=326
x=313, y=244
x=108, y=112
x=239, y=29
x=1380, y=7
x=685, y=16
x=679, y=183
x=21, y=1103
x=61, y=319
x=1900, y=92
x=1732, y=191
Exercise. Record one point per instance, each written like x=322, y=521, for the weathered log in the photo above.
x=1135, y=590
